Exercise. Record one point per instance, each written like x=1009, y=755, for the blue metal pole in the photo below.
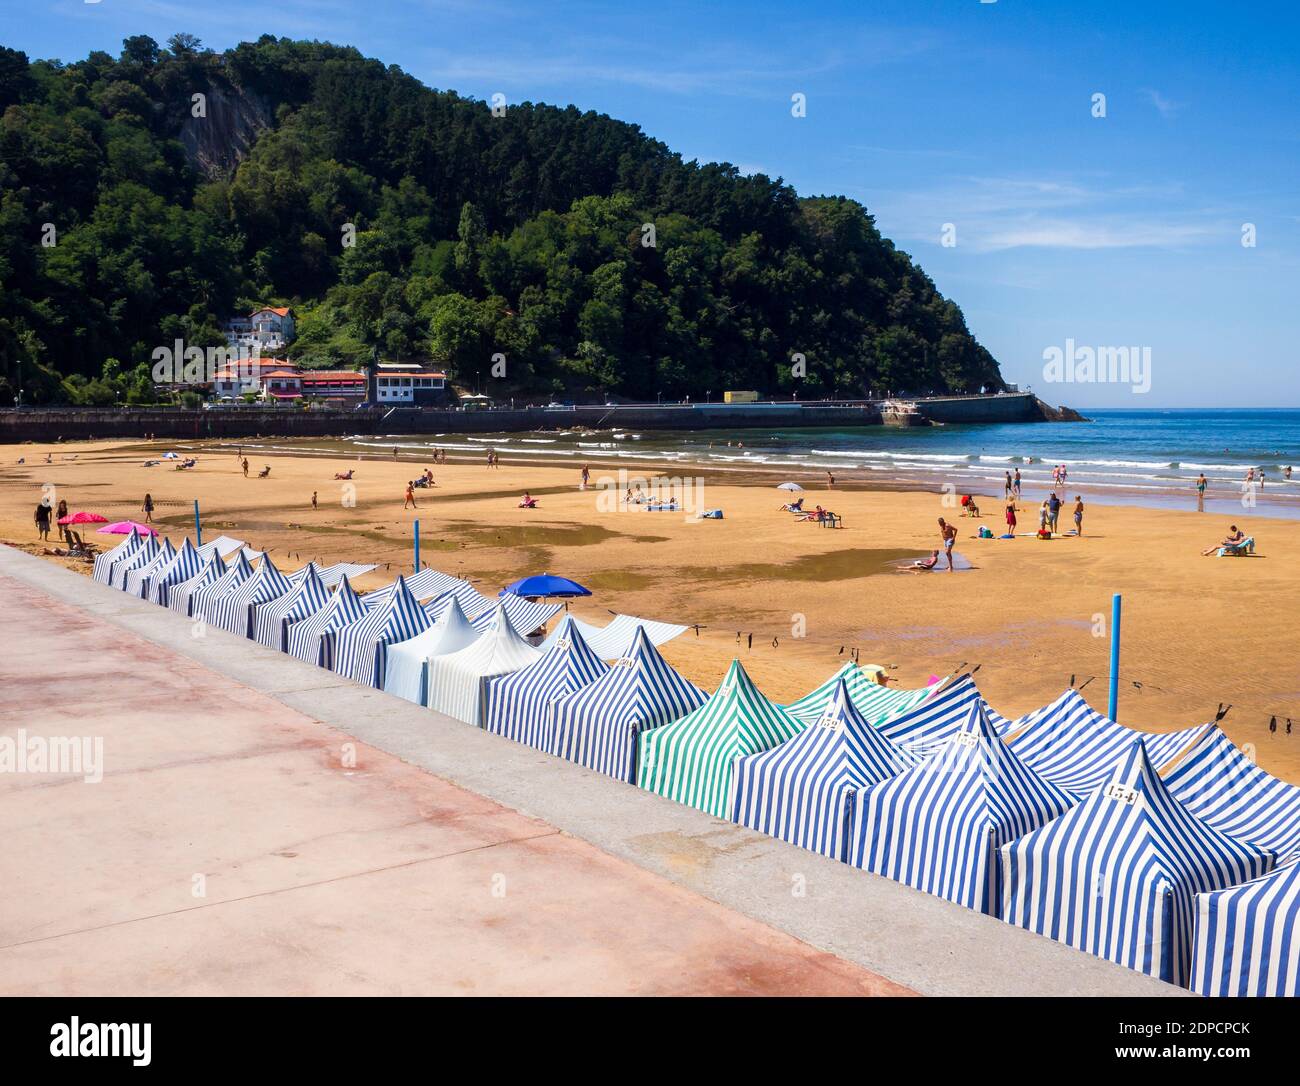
x=1114, y=656
x=417, y=545
x=198, y=527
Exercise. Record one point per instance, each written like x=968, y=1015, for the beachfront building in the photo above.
x=346, y=385
x=282, y=384
x=407, y=383
x=268, y=328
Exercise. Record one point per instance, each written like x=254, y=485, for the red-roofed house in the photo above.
x=269, y=328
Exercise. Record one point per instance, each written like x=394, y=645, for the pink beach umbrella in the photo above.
x=82, y=517
x=123, y=527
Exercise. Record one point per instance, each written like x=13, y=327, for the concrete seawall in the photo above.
x=46, y=424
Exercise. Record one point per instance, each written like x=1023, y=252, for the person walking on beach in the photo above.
x=43, y=513
x=1016, y=484
x=245, y=467
x=1078, y=514
x=394, y=453
x=59, y=514
x=1011, y=516
x=1201, y=483
x=586, y=475
x=410, y=497
x=948, y=533
x=313, y=499
x=1007, y=492
x=830, y=480
x=147, y=508
x=1053, y=512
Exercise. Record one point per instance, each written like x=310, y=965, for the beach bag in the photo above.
x=712, y=514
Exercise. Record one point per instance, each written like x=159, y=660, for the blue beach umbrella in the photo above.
x=545, y=584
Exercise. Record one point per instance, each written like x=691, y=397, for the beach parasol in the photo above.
x=545, y=584
x=82, y=517
x=123, y=527
x=789, y=486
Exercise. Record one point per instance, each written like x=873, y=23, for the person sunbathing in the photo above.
x=527, y=501
x=922, y=565
x=1235, y=536
x=264, y=472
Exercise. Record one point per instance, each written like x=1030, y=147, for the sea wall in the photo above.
x=52, y=423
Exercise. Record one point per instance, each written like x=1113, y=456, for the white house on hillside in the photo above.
x=270, y=328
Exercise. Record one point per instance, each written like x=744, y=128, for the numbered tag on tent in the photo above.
x=563, y=644
x=831, y=721
x=625, y=661
x=1121, y=793
x=967, y=739
x=726, y=688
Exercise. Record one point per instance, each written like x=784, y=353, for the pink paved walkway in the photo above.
x=319, y=879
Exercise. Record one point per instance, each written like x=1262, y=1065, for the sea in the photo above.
x=1146, y=457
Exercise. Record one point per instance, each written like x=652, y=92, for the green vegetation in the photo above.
x=470, y=234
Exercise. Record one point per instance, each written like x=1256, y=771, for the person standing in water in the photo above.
x=1201, y=483
x=1016, y=483
x=948, y=533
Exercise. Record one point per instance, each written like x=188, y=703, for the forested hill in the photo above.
x=417, y=222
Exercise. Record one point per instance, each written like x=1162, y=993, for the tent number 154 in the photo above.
x=1121, y=793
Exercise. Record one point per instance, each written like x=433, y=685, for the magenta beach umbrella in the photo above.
x=123, y=527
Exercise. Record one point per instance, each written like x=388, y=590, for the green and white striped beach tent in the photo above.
x=692, y=760
x=874, y=701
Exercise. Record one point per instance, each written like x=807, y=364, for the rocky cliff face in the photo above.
x=217, y=142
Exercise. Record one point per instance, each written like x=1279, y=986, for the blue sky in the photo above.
x=1117, y=231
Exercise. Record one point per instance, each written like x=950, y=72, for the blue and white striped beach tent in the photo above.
x=180, y=597
x=1076, y=748
x=457, y=683
x=938, y=826
x=102, y=570
x=144, y=553
x=234, y=611
x=273, y=618
x=331, y=575
x=204, y=602
x=184, y=564
x=1116, y=874
x=925, y=728
x=312, y=638
x=598, y=725
x=518, y=705
x=803, y=790
x=136, y=579
x=692, y=760
x=873, y=701
x=1218, y=783
x=408, y=661
x=424, y=585
x=524, y=614
x=610, y=641
x=1247, y=938
x=361, y=649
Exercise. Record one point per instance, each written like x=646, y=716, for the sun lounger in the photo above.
x=1238, y=550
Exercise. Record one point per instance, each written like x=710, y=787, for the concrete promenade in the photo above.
x=264, y=827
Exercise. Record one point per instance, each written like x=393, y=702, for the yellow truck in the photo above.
x=746, y=396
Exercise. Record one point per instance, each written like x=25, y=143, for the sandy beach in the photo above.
x=1198, y=631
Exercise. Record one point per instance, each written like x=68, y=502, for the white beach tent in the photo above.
x=180, y=597
x=234, y=611
x=312, y=638
x=457, y=682
x=1076, y=748
x=803, y=791
x=875, y=701
x=599, y=725
x=1246, y=939
x=407, y=673
x=518, y=706
x=1117, y=874
x=204, y=601
x=1218, y=783
x=102, y=570
x=611, y=640
x=938, y=827
x=273, y=618
x=331, y=575
x=136, y=580
x=361, y=648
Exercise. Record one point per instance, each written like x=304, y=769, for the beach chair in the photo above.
x=832, y=520
x=1237, y=550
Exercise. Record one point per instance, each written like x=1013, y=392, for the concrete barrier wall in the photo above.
x=48, y=424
